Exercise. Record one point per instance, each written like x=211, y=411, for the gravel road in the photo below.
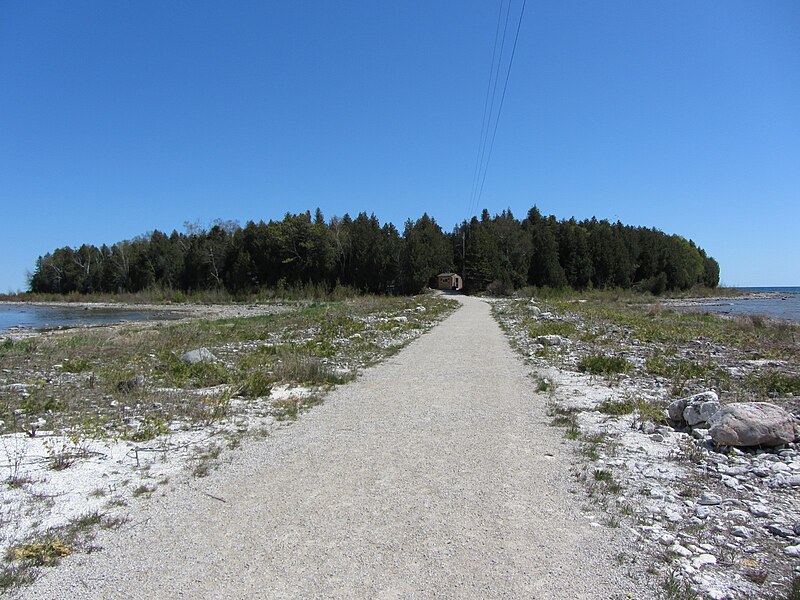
x=433, y=474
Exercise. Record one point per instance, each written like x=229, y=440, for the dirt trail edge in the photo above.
x=434, y=474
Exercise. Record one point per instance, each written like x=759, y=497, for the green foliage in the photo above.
x=301, y=256
x=257, y=384
x=620, y=407
x=76, y=365
x=774, y=382
x=200, y=374
x=601, y=364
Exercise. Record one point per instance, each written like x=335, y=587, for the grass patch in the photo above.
x=601, y=364
x=768, y=383
x=76, y=365
x=42, y=553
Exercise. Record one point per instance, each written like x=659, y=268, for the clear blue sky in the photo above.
x=117, y=118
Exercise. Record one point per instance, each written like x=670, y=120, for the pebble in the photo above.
x=699, y=562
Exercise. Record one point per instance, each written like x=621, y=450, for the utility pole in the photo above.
x=463, y=256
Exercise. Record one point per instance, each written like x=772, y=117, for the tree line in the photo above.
x=498, y=253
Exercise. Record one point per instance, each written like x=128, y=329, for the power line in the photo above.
x=494, y=74
x=475, y=197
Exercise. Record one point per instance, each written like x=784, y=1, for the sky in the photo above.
x=118, y=118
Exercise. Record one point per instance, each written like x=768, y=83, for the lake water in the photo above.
x=30, y=316
x=781, y=303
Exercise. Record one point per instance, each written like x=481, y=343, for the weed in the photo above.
x=150, y=427
x=675, y=588
x=142, y=490
x=257, y=384
x=42, y=553
x=600, y=364
x=774, y=383
x=14, y=576
x=544, y=385
x=76, y=365
x=613, y=407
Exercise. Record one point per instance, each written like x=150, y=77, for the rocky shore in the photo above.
x=703, y=467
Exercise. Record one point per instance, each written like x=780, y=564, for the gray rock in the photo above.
x=759, y=510
x=679, y=409
x=550, y=340
x=197, y=356
x=792, y=550
x=779, y=530
x=700, y=412
x=703, y=512
x=535, y=310
x=699, y=562
x=709, y=499
x=680, y=550
x=751, y=424
x=741, y=531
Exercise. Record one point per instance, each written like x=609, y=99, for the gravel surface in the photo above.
x=434, y=474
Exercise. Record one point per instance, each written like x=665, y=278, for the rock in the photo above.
x=672, y=516
x=693, y=408
x=680, y=550
x=703, y=512
x=666, y=539
x=550, y=340
x=197, y=356
x=741, y=531
x=698, y=562
x=709, y=499
x=535, y=310
x=700, y=433
x=701, y=412
x=751, y=424
x=792, y=550
x=127, y=386
x=759, y=510
x=796, y=528
x=399, y=319
x=779, y=530
x=421, y=309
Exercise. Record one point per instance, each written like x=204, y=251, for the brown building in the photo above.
x=449, y=281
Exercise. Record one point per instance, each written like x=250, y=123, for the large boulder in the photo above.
x=694, y=411
x=752, y=424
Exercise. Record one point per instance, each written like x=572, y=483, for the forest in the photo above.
x=496, y=254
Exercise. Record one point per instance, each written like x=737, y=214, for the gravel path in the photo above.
x=434, y=474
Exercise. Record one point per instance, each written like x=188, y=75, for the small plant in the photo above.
x=150, y=427
x=76, y=365
x=675, y=588
x=620, y=407
x=600, y=364
x=544, y=385
x=257, y=384
x=143, y=490
x=42, y=553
